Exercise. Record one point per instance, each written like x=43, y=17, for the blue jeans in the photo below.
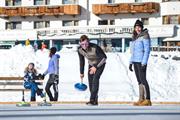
x=34, y=88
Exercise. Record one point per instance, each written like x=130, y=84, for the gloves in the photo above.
x=130, y=67
x=41, y=76
x=143, y=67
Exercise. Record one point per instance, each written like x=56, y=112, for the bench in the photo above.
x=15, y=84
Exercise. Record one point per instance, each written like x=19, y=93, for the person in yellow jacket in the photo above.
x=27, y=42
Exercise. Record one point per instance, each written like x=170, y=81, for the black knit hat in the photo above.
x=139, y=23
x=53, y=50
x=32, y=64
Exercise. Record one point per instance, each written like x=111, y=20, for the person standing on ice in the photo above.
x=29, y=81
x=53, y=71
x=27, y=42
x=140, y=50
x=43, y=46
x=97, y=60
x=35, y=46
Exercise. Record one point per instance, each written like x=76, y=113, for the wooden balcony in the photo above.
x=126, y=8
x=40, y=10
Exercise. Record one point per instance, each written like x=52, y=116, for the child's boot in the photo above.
x=33, y=98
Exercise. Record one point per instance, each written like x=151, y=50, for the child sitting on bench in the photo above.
x=29, y=81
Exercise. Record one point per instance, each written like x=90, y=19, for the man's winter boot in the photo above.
x=96, y=101
x=141, y=95
x=92, y=102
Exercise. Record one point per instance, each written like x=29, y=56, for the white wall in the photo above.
x=170, y=8
x=155, y=21
x=2, y=2
x=99, y=1
x=126, y=22
x=27, y=2
x=84, y=17
x=124, y=1
x=55, y=2
x=55, y=24
x=27, y=25
x=2, y=24
x=151, y=0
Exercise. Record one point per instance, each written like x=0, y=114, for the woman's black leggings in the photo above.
x=141, y=77
x=48, y=91
x=52, y=81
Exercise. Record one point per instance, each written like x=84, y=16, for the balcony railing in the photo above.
x=165, y=48
x=39, y=10
x=122, y=8
x=74, y=32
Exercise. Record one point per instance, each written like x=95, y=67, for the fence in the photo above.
x=165, y=48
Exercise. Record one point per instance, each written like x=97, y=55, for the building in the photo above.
x=59, y=22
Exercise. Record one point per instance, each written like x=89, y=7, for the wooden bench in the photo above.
x=15, y=84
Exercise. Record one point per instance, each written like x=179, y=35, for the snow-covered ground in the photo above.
x=117, y=83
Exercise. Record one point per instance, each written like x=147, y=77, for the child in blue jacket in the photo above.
x=53, y=71
x=30, y=75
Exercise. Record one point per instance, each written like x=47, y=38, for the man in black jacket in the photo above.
x=96, y=59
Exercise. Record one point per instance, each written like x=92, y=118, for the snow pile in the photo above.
x=117, y=83
x=14, y=60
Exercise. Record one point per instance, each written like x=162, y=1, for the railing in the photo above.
x=165, y=48
x=106, y=31
x=169, y=0
x=85, y=30
x=74, y=32
x=39, y=10
x=121, y=8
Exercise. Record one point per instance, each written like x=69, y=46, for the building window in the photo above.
x=13, y=25
x=41, y=24
x=47, y=2
x=173, y=19
x=106, y=22
x=41, y=2
x=111, y=1
x=70, y=23
x=13, y=2
x=170, y=0
x=165, y=19
x=70, y=1
x=138, y=0
x=145, y=21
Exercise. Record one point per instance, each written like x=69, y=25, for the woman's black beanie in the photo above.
x=139, y=23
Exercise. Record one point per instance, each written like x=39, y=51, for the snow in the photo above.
x=117, y=83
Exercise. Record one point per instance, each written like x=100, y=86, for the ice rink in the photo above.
x=84, y=112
